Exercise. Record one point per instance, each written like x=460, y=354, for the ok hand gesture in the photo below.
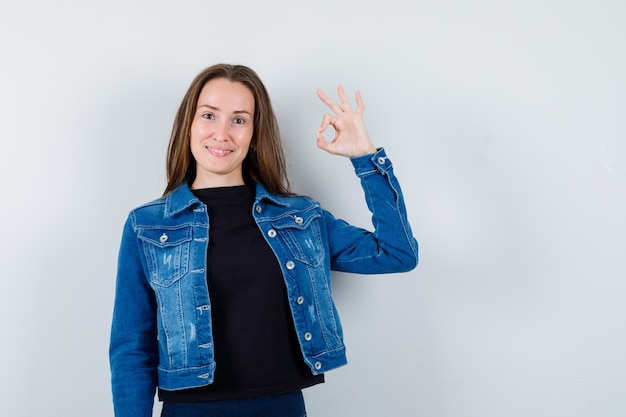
x=351, y=137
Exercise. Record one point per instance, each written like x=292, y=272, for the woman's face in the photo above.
x=221, y=132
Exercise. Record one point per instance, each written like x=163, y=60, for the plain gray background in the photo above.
x=504, y=120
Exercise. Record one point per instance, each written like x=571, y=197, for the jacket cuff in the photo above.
x=371, y=163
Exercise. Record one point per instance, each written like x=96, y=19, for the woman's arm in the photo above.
x=133, y=350
x=391, y=247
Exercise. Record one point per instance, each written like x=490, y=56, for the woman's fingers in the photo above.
x=360, y=107
x=327, y=120
x=336, y=108
x=329, y=102
x=351, y=136
x=345, y=103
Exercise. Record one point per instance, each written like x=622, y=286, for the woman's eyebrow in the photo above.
x=208, y=106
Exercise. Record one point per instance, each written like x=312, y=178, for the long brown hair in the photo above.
x=265, y=162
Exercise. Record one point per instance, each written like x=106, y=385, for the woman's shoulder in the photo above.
x=285, y=200
x=148, y=212
x=175, y=202
x=160, y=201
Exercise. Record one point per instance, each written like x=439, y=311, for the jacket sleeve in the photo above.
x=133, y=350
x=391, y=247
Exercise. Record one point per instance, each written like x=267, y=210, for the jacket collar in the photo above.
x=263, y=194
x=182, y=198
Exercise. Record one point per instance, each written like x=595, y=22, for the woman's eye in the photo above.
x=208, y=116
x=239, y=120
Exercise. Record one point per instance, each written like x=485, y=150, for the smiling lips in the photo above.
x=218, y=152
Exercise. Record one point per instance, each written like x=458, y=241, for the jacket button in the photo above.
x=290, y=265
x=308, y=336
x=299, y=220
x=381, y=160
x=258, y=209
x=271, y=233
x=300, y=300
x=318, y=365
x=163, y=238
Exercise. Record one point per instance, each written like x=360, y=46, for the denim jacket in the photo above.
x=161, y=333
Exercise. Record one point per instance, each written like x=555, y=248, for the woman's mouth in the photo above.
x=218, y=152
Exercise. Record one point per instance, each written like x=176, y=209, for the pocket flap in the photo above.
x=163, y=238
x=297, y=220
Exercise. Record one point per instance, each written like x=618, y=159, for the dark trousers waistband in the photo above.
x=283, y=405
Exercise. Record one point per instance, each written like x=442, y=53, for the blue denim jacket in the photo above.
x=161, y=333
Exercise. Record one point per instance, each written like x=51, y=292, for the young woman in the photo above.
x=223, y=295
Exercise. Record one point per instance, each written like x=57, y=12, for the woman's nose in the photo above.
x=221, y=131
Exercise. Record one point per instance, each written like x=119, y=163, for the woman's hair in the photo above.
x=265, y=162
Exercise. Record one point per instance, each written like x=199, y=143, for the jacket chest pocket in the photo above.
x=302, y=235
x=167, y=253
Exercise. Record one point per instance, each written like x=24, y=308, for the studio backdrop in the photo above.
x=505, y=123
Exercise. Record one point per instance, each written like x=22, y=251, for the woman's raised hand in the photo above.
x=351, y=137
